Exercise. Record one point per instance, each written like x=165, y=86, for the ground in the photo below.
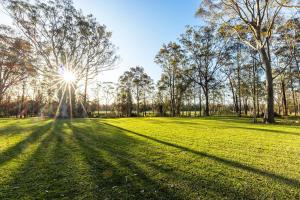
x=149, y=158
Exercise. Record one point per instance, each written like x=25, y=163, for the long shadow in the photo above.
x=94, y=142
x=48, y=173
x=249, y=120
x=110, y=154
x=262, y=130
x=131, y=181
x=231, y=163
x=17, y=127
x=227, y=126
x=18, y=148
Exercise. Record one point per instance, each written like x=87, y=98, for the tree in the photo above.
x=108, y=89
x=172, y=58
x=16, y=63
x=206, y=56
x=137, y=82
x=125, y=94
x=288, y=52
x=65, y=40
x=254, y=23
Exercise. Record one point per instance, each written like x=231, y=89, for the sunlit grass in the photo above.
x=148, y=158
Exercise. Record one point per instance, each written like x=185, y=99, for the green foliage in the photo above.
x=148, y=158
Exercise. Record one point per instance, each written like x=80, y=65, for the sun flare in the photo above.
x=68, y=76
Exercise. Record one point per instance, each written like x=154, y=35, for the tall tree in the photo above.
x=65, y=40
x=16, y=60
x=254, y=22
x=137, y=82
x=206, y=56
x=171, y=58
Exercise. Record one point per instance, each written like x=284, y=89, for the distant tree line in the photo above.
x=244, y=60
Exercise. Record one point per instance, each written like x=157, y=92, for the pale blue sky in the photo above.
x=139, y=27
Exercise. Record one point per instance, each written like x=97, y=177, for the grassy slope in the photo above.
x=154, y=158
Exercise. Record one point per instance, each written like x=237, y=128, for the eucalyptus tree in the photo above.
x=99, y=52
x=206, y=52
x=162, y=102
x=147, y=90
x=193, y=46
x=108, y=92
x=16, y=60
x=288, y=51
x=124, y=94
x=136, y=81
x=65, y=40
x=254, y=23
x=255, y=71
x=171, y=58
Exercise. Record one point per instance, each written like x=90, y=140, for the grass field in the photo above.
x=153, y=158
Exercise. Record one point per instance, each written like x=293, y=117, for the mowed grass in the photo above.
x=152, y=158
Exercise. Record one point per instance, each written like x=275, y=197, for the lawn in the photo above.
x=152, y=158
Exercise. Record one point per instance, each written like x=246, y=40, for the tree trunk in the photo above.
x=206, y=101
x=85, y=90
x=144, y=106
x=284, y=101
x=234, y=97
x=269, y=115
x=22, y=107
x=294, y=93
x=254, y=95
x=239, y=84
x=200, y=102
x=246, y=106
x=137, y=102
x=195, y=107
x=1, y=106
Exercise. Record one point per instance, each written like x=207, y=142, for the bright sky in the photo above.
x=139, y=27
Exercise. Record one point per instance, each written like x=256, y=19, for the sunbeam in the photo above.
x=60, y=102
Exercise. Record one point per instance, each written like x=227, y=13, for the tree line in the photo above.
x=242, y=60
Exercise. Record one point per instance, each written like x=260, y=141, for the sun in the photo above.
x=68, y=77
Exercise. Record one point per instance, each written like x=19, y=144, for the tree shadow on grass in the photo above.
x=114, y=172
x=14, y=151
x=68, y=165
x=103, y=149
x=292, y=182
x=265, y=130
x=234, y=125
x=49, y=173
x=91, y=160
x=19, y=127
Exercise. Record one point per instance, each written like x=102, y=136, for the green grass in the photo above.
x=152, y=158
